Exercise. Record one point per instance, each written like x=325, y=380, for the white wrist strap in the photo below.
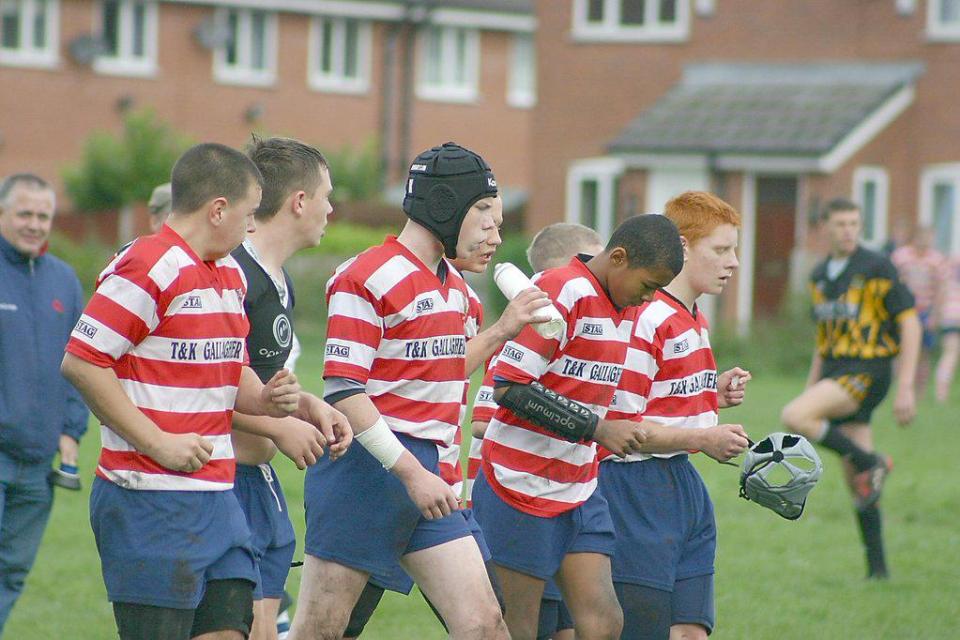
x=381, y=443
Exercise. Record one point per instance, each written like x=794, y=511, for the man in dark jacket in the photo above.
x=40, y=412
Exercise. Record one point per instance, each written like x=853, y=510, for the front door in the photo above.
x=775, y=230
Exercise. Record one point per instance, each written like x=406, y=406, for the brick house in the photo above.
x=777, y=106
x=409, y=73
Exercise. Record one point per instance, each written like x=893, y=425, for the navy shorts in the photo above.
x=261, y=498
x=554, y=617
x=399, y=581
x=534, y=545
x=160, y=548
x=359, y=515
x=663, y=518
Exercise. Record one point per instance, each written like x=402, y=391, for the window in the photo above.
x=631, y=20
x=522, y=84
x=340, y=54
x=940, y=205
x=249, y=55
x=871, y=186
x=128, y=31
x=592, y=193
x=28, y=32
x=449, y=58
x=943, y=19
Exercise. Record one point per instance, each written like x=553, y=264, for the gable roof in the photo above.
x=787, y=110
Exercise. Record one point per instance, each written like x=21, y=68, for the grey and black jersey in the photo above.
x=271, y=322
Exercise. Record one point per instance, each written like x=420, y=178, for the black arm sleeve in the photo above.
x=548, y=409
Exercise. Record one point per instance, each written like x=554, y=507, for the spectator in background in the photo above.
x=920, y=267
x=159, y=206
x=40, y=412
x=948, y=320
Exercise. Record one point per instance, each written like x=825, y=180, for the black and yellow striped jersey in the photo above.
x=857, y=312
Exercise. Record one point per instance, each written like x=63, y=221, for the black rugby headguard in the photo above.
x=443, y=184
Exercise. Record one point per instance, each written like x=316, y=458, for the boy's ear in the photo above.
x=618, y=256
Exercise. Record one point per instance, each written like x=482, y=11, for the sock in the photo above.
x=871, y=532
x=834, y=440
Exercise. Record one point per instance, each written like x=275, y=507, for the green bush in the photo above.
x=357, y=172
x=782, y=344
x=88, y=258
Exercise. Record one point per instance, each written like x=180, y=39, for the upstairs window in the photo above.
x=28, y=32
x=871, y=186
x=449, y=61
x=522, y=83
x=128, y=31
x=249, y=55
x=631, y=20
x=943, y=19
x=340, y=54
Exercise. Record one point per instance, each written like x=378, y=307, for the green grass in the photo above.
x=775, y=579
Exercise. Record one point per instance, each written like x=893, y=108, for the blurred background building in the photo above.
x=589, y=110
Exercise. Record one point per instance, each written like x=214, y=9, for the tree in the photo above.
x=115, y=172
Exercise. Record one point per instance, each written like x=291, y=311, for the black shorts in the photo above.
x=867, y=381
x=227, y=605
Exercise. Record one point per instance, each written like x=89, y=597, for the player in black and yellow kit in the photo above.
x=865, y=317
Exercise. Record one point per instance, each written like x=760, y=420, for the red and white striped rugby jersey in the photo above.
x=670, y=375
x=528, y=467
x=172, y=328
x=399, y=331
x=451, y=469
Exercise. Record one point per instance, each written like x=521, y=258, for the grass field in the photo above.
x=775, y=579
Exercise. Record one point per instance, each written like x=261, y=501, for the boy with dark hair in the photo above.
x=865, y=317
x=535, y=497
x=159, y=356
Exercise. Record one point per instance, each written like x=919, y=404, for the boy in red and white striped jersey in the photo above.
x=159, y=356
x=396, y=367
x=666, y=534
x=535, y=496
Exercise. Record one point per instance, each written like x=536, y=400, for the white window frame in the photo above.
x=611, y=30
x=27, y=55
x=446, y=90
x=930, y=177
x=605, y=172
x=336, y=81
x=519, y=94
x=881, y=181
x=124, y=63
x=937, y=30
x=242, y=73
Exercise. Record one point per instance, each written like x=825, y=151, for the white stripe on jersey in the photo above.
x=351, y=306
x=532, y=485
x=355, y=353
x=205, y=301
x=199, y=351
x=389, y=275
x=436, y=430
x=651, y=318
x=222, y=445
x=690, y=385
x=418, y=390
x=436, y=348
x=525, y=359
x=425, y=304
x=132, y=298
x=103, y=338
x=574, y=453
x=175, y=400
x=685, y=344
x=701, y=421
x=168, y=267
x=160, y=482
x=628, y=402
x=641, y=362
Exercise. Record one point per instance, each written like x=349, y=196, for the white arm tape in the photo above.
x=379, y=440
